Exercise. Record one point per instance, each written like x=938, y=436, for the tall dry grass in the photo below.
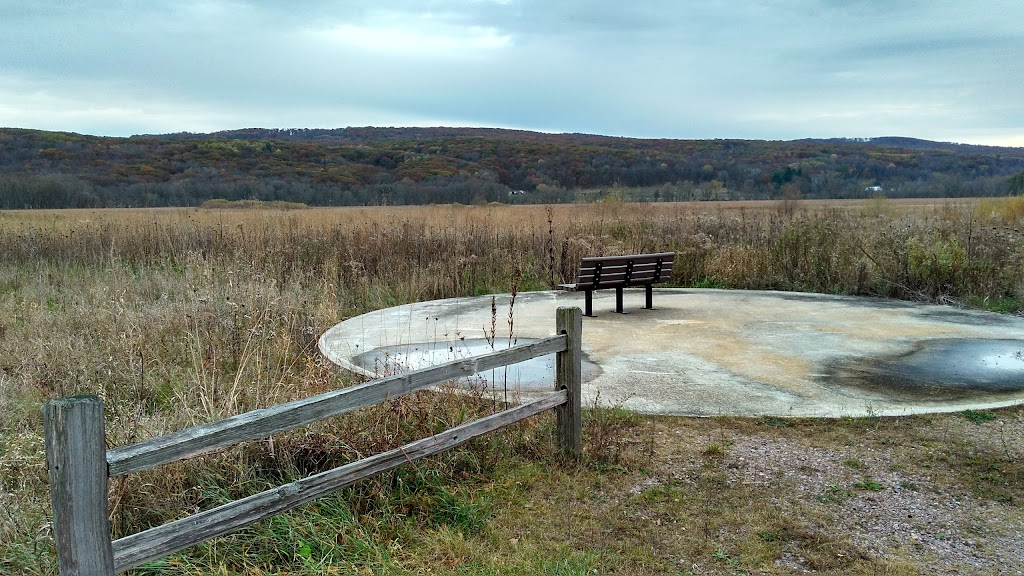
x=177, y=317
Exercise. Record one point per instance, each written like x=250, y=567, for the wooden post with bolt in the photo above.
x=568, y=377
x=76, y=457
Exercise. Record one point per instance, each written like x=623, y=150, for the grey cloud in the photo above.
x=658, y=68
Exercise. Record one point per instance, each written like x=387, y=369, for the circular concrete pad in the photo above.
x=708, y=352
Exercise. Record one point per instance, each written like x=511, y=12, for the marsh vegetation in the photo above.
x=181, y=316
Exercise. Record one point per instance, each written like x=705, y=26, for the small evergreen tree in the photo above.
x=1017, y=184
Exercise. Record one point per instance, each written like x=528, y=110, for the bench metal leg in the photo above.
x=650, y=297
x=590, y=303
x=618, y=300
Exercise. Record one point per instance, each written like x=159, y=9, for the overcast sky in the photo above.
x=935, y=69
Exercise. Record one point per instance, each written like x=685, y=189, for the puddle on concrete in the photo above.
x=535, y=374
x=941, y=369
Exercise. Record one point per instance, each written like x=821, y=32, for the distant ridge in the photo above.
x=367, y=165
x=919, y=144
x=363, y=134
x=382, y=134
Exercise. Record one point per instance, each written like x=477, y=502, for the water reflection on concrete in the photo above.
x=941, y=369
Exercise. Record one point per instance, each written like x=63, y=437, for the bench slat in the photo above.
x=636, y=265
x=635, y=278
x=636, y=271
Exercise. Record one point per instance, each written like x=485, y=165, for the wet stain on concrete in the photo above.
x=861, y=302
x=962, y=317
x=937, y=370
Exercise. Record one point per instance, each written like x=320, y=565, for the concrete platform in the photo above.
x=710, y=352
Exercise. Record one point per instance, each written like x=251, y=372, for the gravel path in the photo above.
x=884, y=510
x=891, y=506
x=931, y=495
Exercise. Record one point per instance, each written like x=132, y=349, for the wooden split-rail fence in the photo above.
x=80, y=464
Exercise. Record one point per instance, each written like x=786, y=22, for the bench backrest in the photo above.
x=635, y=269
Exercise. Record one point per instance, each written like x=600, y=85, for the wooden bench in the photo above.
x=621, y=272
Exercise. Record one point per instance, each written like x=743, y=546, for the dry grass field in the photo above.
x=181, y=316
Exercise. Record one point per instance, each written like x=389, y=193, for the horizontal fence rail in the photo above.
x=80, y=467
x=131, y=551
x=264, y=422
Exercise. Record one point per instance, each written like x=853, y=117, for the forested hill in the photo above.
x=439, y=165
x=371, y=134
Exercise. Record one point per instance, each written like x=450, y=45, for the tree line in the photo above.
x=372, y=166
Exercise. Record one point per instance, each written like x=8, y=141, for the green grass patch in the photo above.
x=978, y=416
x=869, y=484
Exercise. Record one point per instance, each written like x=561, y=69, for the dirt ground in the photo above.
x=927, y=494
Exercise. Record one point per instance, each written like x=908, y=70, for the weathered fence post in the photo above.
x=76, y=457
x=568, y=376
